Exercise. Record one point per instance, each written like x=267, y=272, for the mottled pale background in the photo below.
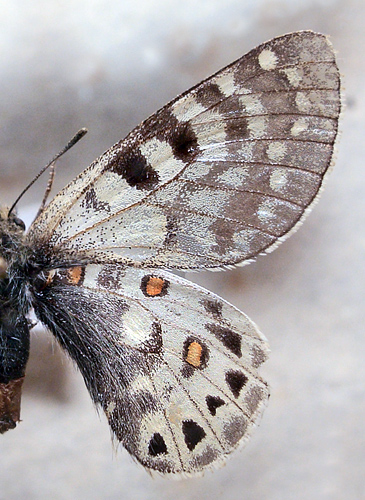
x=107, y=65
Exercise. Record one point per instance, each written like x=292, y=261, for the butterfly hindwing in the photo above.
x=215, y=177
x=173, y=366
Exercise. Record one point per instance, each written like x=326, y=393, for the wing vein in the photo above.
x=230, y=189
x=194, y=404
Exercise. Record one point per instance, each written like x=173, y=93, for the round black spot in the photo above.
x=208, y=94
x=187, y=370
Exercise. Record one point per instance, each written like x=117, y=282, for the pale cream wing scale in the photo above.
x=218, y=175
x=195, y=393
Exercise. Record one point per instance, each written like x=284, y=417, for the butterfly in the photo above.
x=221, y=174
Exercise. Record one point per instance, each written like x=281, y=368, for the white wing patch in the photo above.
x=268, y=60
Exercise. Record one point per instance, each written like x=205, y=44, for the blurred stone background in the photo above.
x=107, y=65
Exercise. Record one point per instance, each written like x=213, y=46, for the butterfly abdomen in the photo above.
x=14, y=328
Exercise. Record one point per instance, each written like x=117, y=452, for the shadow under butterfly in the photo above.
x=224, y=172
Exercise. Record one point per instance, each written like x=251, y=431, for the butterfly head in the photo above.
x=12, y=220
x=11, y=234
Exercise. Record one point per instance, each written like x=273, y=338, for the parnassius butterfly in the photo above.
x=219, y=175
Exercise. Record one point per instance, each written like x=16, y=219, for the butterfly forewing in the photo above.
x=217, y=176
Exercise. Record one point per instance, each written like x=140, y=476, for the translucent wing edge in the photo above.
x=306, y=212
x=315, y=200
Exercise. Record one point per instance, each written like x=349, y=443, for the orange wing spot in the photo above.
x=75, y=274
x=194, y=354
x=154, y=286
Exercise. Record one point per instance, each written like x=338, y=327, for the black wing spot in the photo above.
x=111, y=277
x=230, y=339
x=235, y=429
x=258, y=356
x=183, y=141
x=157, y=445
x=187, y=371
x=214, y=402
x=179, y=135
x=213, y=307
x=193, y=433
x=236, y=380
x=132, y=165
x=172, y=228
x=209, y=94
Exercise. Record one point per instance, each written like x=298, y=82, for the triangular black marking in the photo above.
x=236, y=380
x=193, y=433
x=214, y=402
x=157, y=445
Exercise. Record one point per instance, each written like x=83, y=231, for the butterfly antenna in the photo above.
x=52, y=171
x=79, y=135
